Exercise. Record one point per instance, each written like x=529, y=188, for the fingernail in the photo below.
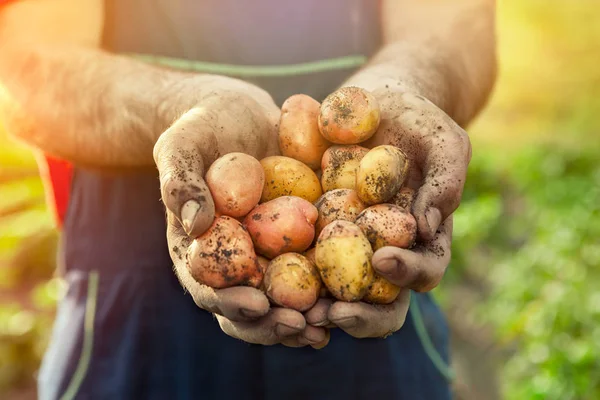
x=434, y=218
x=346, y=323
x=321, y=323
x=285, y=330
x=188, y=215
x=250, y=313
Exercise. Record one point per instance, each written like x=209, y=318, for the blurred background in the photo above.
x=523, y=291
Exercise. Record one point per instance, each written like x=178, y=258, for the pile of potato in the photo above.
x=305, y=224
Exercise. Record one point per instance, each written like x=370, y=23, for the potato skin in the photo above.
x=235, y=181
x=293, y=281
x=285, y=224
x=339, y=167
x=299, y=136
x=388, y=225
x=338, y=204
x=343, y=256
x=224, y=256
x=404, y=198
x=285, y=176
x=311, y=255
x=381, y=291
x=381, y=173
x=350, y=115
x=263, y=263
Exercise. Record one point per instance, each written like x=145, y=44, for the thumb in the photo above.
x=181, y=155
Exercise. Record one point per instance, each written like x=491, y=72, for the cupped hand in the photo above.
x=236, y=118
x=439, y=152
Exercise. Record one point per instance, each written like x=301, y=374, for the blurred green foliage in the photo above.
x=527, y=231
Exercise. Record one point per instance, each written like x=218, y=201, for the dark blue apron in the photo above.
x=125, y=328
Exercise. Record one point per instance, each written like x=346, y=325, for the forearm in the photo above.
x=85, y=105
x=444, y=51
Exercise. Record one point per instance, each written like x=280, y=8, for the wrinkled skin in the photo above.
x=242, y=118
x=439, y=152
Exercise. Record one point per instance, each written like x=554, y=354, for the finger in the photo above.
x=236, y=303
x=421, y=268
x=317, y=315
x=444, y=171
x=181, y=154
x=313, y=336
x=363, y=320
x=278, y=325
x=310, y=336
x=324, y=342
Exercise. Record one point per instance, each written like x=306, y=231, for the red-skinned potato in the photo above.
x=235, y=182
x=388, y=225
x=338, y=204
x=299, y=135
x=224, y=256
x=340, y=165
x=285, y=224
x=292, y=281
x=350, y=115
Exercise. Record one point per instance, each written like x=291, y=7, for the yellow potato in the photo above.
x=292, y=281
x=339, y=167
x=285, y=176
x=380, y=174
x=299, y=135
x=343, y=256
x=381, y=291
x=235, y=182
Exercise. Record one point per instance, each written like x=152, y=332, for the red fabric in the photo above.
x=57, y=177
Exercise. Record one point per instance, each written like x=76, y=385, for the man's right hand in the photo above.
x=237, y=117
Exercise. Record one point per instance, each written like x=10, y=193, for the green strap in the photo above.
x=88, y=338
x=428, y=346
x=255, y=70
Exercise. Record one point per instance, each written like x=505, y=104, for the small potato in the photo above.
x=380, y=174
x=235, y=182
x=344, y=260
x=388, y=225
x=285, y=176
x=349, y=115
x=338, y=204
x=263, y=263
x=339, y=166
x=381, y=291
x=285, y=224
x=404, y=198
x=224, y=256
x=293, y=281
x=299, y=135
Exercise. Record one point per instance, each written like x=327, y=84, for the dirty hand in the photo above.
x=439, y=152
x=236, y=117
